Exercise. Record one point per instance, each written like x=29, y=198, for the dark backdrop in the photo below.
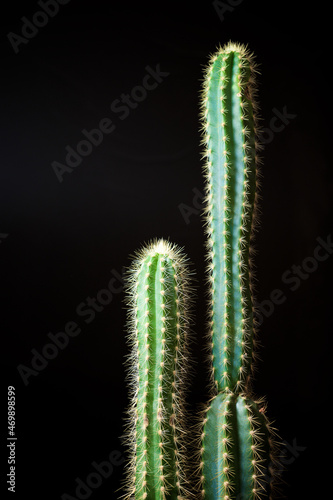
x=67, y=229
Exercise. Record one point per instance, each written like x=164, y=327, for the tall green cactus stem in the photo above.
x=230, y=172
x=158, y=296
x=237, y=440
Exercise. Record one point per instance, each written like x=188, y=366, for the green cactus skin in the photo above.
x=236, y=449
x=158, y=296
x=229, y=136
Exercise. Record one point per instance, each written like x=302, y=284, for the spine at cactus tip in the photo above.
x=237, y=440
x=158, y=298
x=230, y=171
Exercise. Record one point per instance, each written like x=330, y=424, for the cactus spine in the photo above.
x=158, y=296
x=230, y=171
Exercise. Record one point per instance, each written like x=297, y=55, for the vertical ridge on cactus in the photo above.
x=158, y=298
x=229, y=136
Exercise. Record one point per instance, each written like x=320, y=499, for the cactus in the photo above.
x=159, y=306
x=230, y=172
x=233, y=453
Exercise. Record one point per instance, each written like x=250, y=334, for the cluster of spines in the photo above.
x=158, y=296
x=230, y=171
x=236, y=453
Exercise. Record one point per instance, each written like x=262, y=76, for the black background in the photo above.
x=61, y=240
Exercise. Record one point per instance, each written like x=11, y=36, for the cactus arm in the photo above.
x=151, y=359
x=231, y=181
x=158, y=296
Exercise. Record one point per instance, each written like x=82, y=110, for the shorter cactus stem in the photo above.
x=158, y=299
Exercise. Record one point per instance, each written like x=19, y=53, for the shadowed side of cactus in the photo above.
x=159, y=303
x=236, y=449
x=231, y=176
